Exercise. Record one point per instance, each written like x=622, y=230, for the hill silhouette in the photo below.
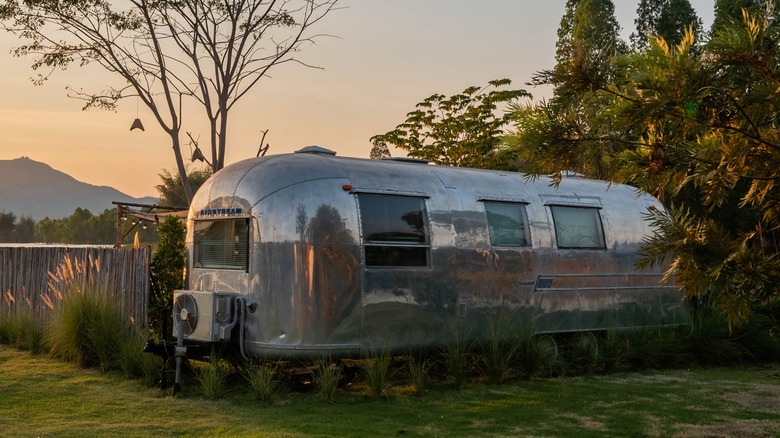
x=35, y=189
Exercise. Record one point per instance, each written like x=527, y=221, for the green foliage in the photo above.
x=16, y=232
x=168, y=273
x=134, y=362
x=498, y=351
x=23, y=330
x=696, y=127
x=457, y=356
x=379, y=374
x=326, y=378
x=459, y=130
x=264, y=380
x=212, y=378
x=88, y=328
x=171, y=189
x=82, y=227
x=667, y=19
x=418, y=370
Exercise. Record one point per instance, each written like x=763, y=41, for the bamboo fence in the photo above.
x=32, y=277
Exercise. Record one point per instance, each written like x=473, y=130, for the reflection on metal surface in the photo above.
x=315, y=287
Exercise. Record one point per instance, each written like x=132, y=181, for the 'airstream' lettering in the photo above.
x=220, y=211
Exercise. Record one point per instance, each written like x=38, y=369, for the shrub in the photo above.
x=535, y=355
x=212, y=378
x=583, y=352
x=457, y=357
x=23, y=330
x=264, y=381
x=497, y=352
x=135, y=363
x=418, y=370
x=379, y=374
x=88, y=328
x=326, y=378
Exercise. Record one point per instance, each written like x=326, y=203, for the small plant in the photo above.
x=613, y=348
x=497, y=352
x=134, y=362
x=88, y=325
x=379, y=374
x=457, y=358
x=212, y=378
x=535, y=355
x=419, y=373
x=264, y=382
x=24, y=331
x=326, y=378
x=584, y=353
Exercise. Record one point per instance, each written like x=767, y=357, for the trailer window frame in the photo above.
x=394, y=230
x=221, y=243
x=506, y=236
x=578, y=232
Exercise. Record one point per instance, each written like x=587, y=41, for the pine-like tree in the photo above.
x=667, y=19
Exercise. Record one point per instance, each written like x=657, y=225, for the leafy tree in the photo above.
x=168, y=264
x=172, y=193
x=730, y=11
x=667, y=19
x=166, y=52
x=7, y=226
x=379, y=150
x=81, y=227
x=587, y=48
x=698, y=129
x=24, y=231
x=459, y=130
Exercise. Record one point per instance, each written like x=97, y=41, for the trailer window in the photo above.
x=507, y=223
x=578, y=227
x=394, y=230
x=222, y=244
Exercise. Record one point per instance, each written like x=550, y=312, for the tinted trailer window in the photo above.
x=222, y=244
x=394, y=230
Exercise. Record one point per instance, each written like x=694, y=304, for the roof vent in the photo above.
x=408, y=160
x=317, y=150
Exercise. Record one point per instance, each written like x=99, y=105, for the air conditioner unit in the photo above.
x=203, y=316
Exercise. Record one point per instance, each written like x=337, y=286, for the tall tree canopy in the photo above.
x=460, y=130
x=667, y=19
x=167, y=52
x=587, y=47
x=698, y=129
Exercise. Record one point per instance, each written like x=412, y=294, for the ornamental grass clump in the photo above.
x=87, y=326
x=135, y=363
x=326, y=378
x=23, y=330
x=379, y=374
x=264, y=380
x=418, y=370
x=212, y=378
x=458, y=358
x=497, y=351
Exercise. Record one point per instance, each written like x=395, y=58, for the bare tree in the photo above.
x=212, y=51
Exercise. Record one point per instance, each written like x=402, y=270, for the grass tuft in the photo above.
x=212, y=378
x=379, y=374
x=326, y=379
x=264, y=381
x=418, y=370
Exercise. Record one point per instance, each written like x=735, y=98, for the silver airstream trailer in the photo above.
x=310, y=254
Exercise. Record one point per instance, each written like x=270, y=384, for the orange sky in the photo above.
x=386, y=57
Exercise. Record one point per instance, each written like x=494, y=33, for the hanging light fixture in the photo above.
x=137, y=122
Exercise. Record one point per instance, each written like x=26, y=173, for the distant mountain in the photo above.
x=30, y=188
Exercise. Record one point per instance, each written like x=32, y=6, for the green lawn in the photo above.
x=43, y=397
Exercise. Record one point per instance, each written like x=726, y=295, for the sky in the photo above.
x=381, y=58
